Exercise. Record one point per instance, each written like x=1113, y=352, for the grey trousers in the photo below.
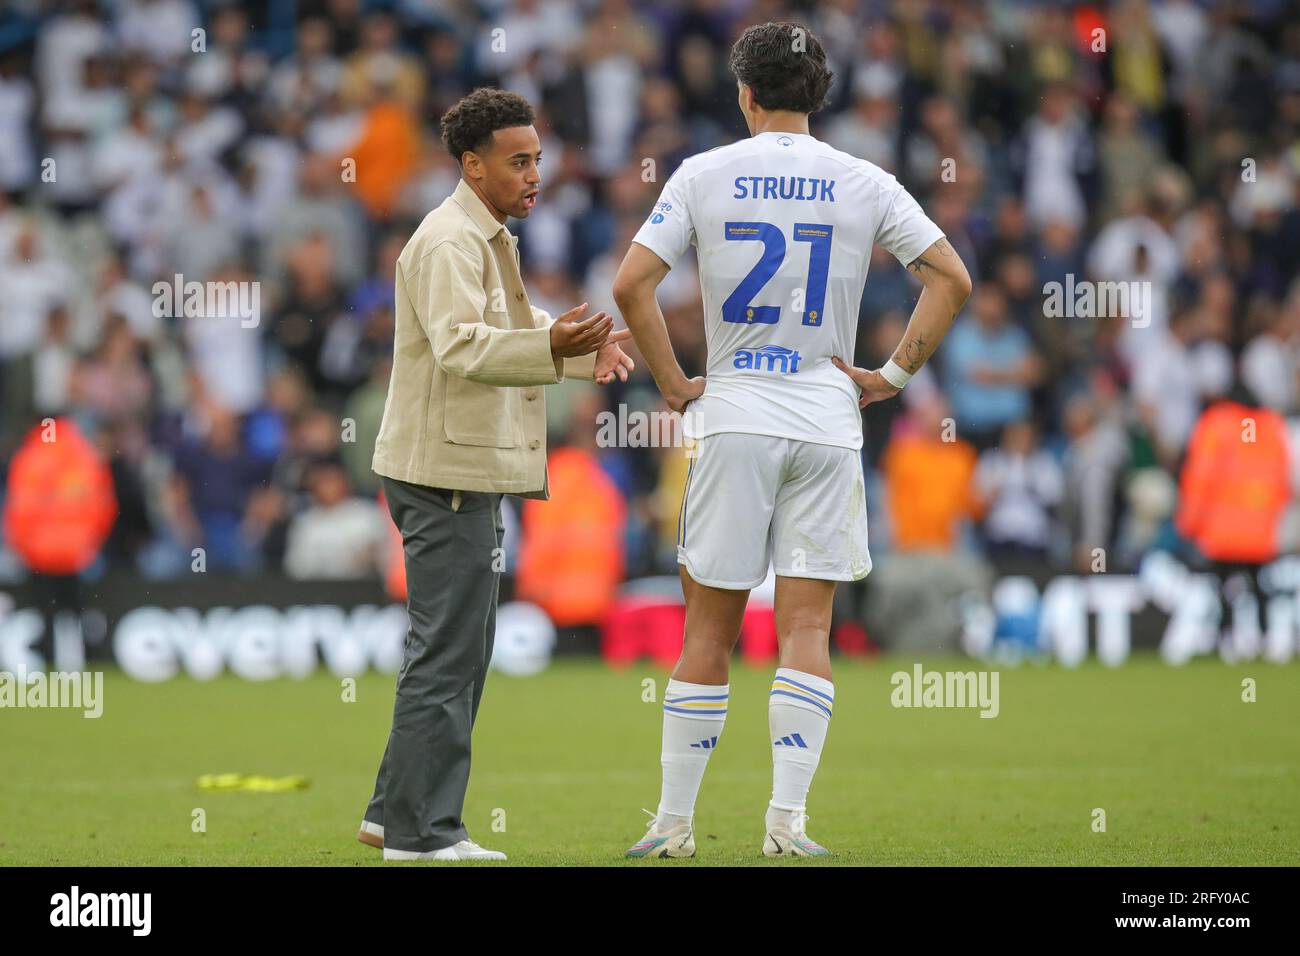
x=451, y=602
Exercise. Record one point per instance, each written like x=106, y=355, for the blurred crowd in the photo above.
x=294, y=143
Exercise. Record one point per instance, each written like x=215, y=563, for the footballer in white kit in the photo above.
x=783, y=226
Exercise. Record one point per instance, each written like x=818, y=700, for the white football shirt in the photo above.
x=783, y=225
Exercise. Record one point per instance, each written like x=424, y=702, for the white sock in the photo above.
x=798, y=715
x=693, y=718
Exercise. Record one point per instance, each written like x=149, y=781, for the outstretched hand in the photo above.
x=572, y=335
x=612, y=360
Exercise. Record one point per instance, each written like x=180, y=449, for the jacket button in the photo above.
x=519, y=295
x=534, y=444
x=531, y=396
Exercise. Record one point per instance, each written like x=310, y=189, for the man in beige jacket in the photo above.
x=464, y=423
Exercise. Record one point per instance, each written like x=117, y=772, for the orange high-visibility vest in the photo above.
x=930, y=484
x=1234, y=486
x=385, y=155
x=571, y=561
x=60, y=504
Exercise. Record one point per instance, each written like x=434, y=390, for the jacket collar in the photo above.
x=468, y=200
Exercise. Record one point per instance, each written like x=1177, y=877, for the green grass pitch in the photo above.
x=1186, y=772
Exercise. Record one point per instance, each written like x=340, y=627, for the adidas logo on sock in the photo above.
x=791, y=740
x=708, y=743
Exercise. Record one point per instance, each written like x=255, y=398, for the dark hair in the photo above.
x=471, y=122
x=785, y=66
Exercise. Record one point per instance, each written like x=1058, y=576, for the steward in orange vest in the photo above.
x=571, y=562
x=60, y=505
x=1235, y=483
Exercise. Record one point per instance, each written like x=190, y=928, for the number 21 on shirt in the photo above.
x=737, y=307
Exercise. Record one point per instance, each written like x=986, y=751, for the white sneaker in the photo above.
x=464, y=850
x=791, y=839
x=371, y=834
x=676, y=841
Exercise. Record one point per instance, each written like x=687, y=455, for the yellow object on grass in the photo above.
x=254, y=783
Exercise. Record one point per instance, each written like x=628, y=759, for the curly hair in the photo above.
x=785, y=66
x=468, y=125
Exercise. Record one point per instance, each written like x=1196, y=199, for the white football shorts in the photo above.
x=754, y=501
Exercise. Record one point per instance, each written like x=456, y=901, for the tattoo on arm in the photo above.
x=921, y=263
x=915, y=349
x=913, y=353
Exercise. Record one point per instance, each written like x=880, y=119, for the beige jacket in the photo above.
x=465, y=407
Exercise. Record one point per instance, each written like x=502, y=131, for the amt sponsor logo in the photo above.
x=770, y=358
